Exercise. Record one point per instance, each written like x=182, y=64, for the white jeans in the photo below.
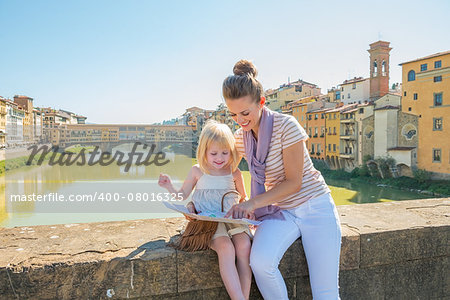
x=317, y=222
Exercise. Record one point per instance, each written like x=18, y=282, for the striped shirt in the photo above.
x=286, y=132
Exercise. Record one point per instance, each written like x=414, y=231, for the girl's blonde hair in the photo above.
x=215, y=132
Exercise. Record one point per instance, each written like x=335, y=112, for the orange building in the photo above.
x=316, y=130
x=426, y=93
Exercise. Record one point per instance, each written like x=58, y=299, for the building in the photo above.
x=334, y=94
x=3, y=113
x=355, y=90
x=379, y=69
x=390, y=133
x=26, y=103
x=290, y=92
x=37, y=125
x=85, y=134
x=348, y=144
x=316, y=131
x=333, y=134
x=426, y=94
x=364, y=111
x=14, y=124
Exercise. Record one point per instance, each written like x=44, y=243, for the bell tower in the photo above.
x=379, y=69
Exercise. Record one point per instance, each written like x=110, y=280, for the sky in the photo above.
x=147, y=61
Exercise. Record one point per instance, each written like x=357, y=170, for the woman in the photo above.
x=272, y=144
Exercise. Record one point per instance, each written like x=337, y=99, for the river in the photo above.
x=127, y=195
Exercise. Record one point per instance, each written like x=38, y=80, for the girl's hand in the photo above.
x=241, y=210
x=164, y=181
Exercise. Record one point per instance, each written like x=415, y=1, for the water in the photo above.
x=112, y=179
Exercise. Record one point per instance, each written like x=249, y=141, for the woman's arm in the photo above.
x=293, y=160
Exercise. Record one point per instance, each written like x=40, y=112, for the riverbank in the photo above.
x=420, y=184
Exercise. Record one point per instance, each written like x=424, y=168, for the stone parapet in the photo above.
x=393, y=250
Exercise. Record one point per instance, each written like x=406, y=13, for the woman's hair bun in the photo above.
x=243, y=67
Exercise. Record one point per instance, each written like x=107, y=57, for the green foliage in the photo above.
x=19, y=162
x=421, y=175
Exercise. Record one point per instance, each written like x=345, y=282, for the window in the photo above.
x=437, y=123
x=312, y=148
x=348, y=95
x=383, y=68
x=404, y=93
x=354, y=86
x=411, y=75
x=315, y=131
x=423, y=67
x=329, y=147
x=436, y=155
x=438, y=99
x=361, y=110
x=316, y=116
x=343, y=96
x=437, y=78
x=437, y=64
x=334, y=130
x=409, y=108
x=415, y=96
x=334, y=147
x=302, y=118
x=375, y=68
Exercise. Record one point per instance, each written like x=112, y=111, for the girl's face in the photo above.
x=246, y=112
x=217, y=156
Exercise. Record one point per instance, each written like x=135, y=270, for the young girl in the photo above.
x=215, y=174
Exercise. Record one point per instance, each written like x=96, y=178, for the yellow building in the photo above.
x=290, y=92
x=426, y=93
x=333, y=126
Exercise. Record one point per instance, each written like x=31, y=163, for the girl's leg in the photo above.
x=242, y=247
x=272, y=239
x=227, y=266
x=321, y=238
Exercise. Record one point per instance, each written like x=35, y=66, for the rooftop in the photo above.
x=426, y=57
x=354, y=80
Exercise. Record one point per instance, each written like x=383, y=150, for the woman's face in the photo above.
x=246, y=112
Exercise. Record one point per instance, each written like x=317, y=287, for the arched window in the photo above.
x=375, y=68
x=383, y=68
x=411, y=75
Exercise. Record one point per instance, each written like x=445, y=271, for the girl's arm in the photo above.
x=188, y=184
x=239, y=183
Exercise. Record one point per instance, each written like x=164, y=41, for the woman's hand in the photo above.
x=241, y=210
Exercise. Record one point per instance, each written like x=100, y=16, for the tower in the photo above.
x=379, y=69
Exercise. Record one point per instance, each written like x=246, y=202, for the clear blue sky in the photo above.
x=146, y=61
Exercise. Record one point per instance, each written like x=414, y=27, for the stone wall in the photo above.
x=408, y=131
x=393, y=250
x=368, y=136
